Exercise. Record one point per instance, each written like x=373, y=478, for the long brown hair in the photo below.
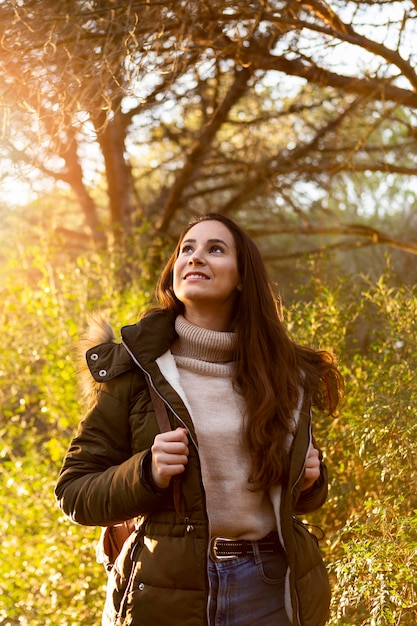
x=271, y=368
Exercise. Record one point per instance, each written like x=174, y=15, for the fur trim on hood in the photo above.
x=99, y=331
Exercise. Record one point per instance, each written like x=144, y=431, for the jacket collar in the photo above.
x=147, y=340
x=151, y=337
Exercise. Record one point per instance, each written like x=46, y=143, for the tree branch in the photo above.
x=201, y=146
x=372, y=88
x=346, y=33
x=372, y=235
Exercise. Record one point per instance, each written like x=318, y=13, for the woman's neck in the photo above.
x=207, y=319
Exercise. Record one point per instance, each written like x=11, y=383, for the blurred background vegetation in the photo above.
x=120, y=121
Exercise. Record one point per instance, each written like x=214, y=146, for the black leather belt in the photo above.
x=223, y=549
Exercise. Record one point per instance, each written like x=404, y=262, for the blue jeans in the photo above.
x=248, y=591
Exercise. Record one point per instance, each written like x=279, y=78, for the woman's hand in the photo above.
x=169, y=456
x=312, y=469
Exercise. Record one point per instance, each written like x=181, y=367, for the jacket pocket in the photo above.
x=156, y=606
x=311, y=578
x=120, y=581
x=157, y=580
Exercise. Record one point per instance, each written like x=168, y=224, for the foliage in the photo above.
x=370, y=518
x=48, y=571
x=48, y=574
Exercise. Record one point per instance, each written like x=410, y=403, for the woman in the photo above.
x=214, y=497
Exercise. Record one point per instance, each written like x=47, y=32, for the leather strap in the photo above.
x=160, y=410
x=221, y=547
x=163, y=423
x=165, y=426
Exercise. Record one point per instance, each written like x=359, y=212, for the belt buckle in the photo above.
x=214, y=549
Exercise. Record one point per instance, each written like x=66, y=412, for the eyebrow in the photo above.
x=215, y=240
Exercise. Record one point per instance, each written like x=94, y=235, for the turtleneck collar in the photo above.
x=203, y=344
x=202, y=350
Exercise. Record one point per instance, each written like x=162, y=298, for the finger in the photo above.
x=179, y=434
x=163, y=474
x=172, y=455
x=161, y=446
x=312, y=457
x=171, y=465
x=312, y=451
x=166, y=465
x=311, y=472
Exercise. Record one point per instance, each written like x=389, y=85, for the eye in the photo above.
x=216, y=248
x=186, y=249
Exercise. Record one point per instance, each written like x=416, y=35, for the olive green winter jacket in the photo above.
x=160, y=577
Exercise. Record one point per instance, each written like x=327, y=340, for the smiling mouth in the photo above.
x=195, y=276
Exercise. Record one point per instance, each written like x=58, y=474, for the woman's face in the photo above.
x=206, y=277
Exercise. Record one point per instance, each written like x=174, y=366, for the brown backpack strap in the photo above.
x=163, y=423
x=160, y=410
x=165, y=426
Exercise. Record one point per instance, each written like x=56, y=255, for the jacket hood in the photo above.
x=98, y=332
x=102, y=358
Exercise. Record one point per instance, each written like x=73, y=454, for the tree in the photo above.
x=179, y=107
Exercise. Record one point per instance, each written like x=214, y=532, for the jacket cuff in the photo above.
x=145, y=474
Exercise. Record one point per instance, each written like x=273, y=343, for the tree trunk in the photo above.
x=111, y=136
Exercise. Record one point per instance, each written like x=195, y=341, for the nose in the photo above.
x=196, y=258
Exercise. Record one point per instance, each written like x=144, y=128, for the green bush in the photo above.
x=370, y=517
x=48, y=570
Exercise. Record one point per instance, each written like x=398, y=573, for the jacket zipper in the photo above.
x=181, y=421
x=299, y=477
x=149, y=377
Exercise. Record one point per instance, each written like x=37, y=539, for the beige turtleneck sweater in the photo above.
x=204, y=361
